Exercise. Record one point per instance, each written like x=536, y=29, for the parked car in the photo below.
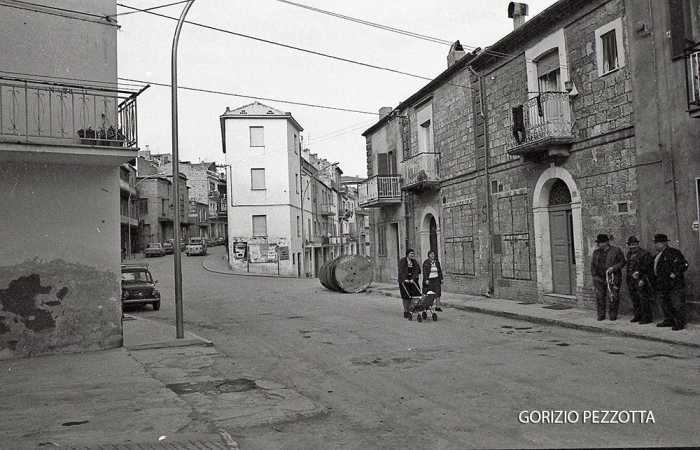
x=196, y=246
x=138, y=286
x=211, y=242
x=169, y=248
x=183, y=243
x=154, y=249
x=220, y=241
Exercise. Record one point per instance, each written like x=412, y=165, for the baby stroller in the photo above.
x=421, y=304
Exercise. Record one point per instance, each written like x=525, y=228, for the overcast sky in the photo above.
x=285, y=78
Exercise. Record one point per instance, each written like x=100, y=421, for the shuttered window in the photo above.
x=259, y=226
x=257, y=179
x=257, y=137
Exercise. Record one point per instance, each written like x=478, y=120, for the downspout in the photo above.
x=482, y=102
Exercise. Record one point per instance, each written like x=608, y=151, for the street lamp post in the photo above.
x=129, y=203
x=303, y=195
x=179, y=322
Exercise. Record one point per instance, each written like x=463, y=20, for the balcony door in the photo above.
x=386, y=164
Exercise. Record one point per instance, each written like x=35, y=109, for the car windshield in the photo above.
x=136, y=276
x=153, y=246
x=195, y=241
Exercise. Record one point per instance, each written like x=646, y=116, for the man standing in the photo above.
x=606, y=268
x=669, y=281
x=639, y=270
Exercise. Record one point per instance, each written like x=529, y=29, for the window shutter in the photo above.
x=257, y=137
x=382, y=164
x=259, y=226
x=548, y=63
x=676, y=11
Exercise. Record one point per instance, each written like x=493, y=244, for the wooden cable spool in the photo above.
x=347, y=273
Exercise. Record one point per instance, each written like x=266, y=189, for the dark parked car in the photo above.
x=154, y=249
x=138, y=286
x=169, y=248
x=183, y=243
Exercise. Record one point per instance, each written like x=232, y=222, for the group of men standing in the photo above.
x=646, y=276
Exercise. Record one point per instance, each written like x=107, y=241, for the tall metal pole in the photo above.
x=179, y=322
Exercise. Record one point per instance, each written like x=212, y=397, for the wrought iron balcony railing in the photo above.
x=421, y=171
x=379, y=191
x=50, y=112
x=542, y=123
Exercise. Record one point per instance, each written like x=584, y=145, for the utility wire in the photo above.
x=338, y=58
x=372, y=24
x=151, y=9
x=231, y=94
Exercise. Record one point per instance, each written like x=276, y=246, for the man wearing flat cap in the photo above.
x=640, y=265
x=669, y=282
x=606, y=268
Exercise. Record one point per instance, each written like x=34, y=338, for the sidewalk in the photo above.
x=156, y=392
x=570, y=318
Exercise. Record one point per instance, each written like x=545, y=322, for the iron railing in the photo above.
x=423, y=167
x=380, y=189
x=70, y=115
x=546, y=116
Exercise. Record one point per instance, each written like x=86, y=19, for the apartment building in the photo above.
x=510, y=162
x=66, y=131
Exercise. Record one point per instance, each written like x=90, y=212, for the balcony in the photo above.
x=327, y=209
x=380, y=191
x=421, y=172
x=542, y=126
x=57, y=115
x=693, y=74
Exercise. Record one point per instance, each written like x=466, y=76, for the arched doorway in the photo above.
x=429, y=233
x=556, y=207
x=561, y=232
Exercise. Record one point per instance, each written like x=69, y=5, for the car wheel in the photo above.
x=156, y=305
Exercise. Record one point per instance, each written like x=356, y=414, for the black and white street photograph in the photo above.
x=306, y=224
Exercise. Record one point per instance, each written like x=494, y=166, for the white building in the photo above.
x=262, y=150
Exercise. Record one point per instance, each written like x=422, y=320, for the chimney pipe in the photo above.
x=518, y=12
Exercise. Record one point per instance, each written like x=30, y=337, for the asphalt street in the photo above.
x=465, y=380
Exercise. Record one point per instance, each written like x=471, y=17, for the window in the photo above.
x=549, y=72
x=257, y=137
x=298, y=226
x=257, y=179
x=296, y=181
x=143, y=206
x=381, y=240
x=610, y=54
x=259, y=226
x=424, y=116
x=685, y=25
x=296, y=144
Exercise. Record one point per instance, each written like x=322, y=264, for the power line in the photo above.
x=231, y=94
x=372, y=24
x=150, y=9
x=338, y=58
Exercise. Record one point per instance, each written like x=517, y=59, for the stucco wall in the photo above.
x=59, y=269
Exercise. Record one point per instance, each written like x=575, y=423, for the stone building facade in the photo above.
x=512, y=160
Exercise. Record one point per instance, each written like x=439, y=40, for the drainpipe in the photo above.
x=487, y=177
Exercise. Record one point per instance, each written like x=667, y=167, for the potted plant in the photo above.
x=87, y=137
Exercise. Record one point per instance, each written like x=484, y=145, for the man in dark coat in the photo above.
x=640, y=266
x=606, y=268
x=669, y=282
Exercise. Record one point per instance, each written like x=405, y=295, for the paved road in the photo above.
x=462, y=381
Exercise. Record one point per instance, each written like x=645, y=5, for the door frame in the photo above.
x=543, y=247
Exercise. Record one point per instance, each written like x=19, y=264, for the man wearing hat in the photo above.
x=606, y=268
x=639, y=270
x=669, y=265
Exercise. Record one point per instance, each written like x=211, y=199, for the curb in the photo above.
x=548, y=321
x=229, y=272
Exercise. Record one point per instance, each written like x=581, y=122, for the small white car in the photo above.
x=154, y=249
x=196, y=246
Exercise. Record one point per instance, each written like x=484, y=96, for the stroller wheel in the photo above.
x=419, y=317
x=410, y=316
x=425, y=315
x=434, y=317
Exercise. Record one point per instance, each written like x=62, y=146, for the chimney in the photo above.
x=455, y=54
x=517, y=12
x=383, y=112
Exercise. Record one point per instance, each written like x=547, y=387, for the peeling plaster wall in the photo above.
x=60, y=266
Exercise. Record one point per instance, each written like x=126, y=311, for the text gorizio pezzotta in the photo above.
x=602, y=417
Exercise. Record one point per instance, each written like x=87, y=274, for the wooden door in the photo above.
x=560, y=234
